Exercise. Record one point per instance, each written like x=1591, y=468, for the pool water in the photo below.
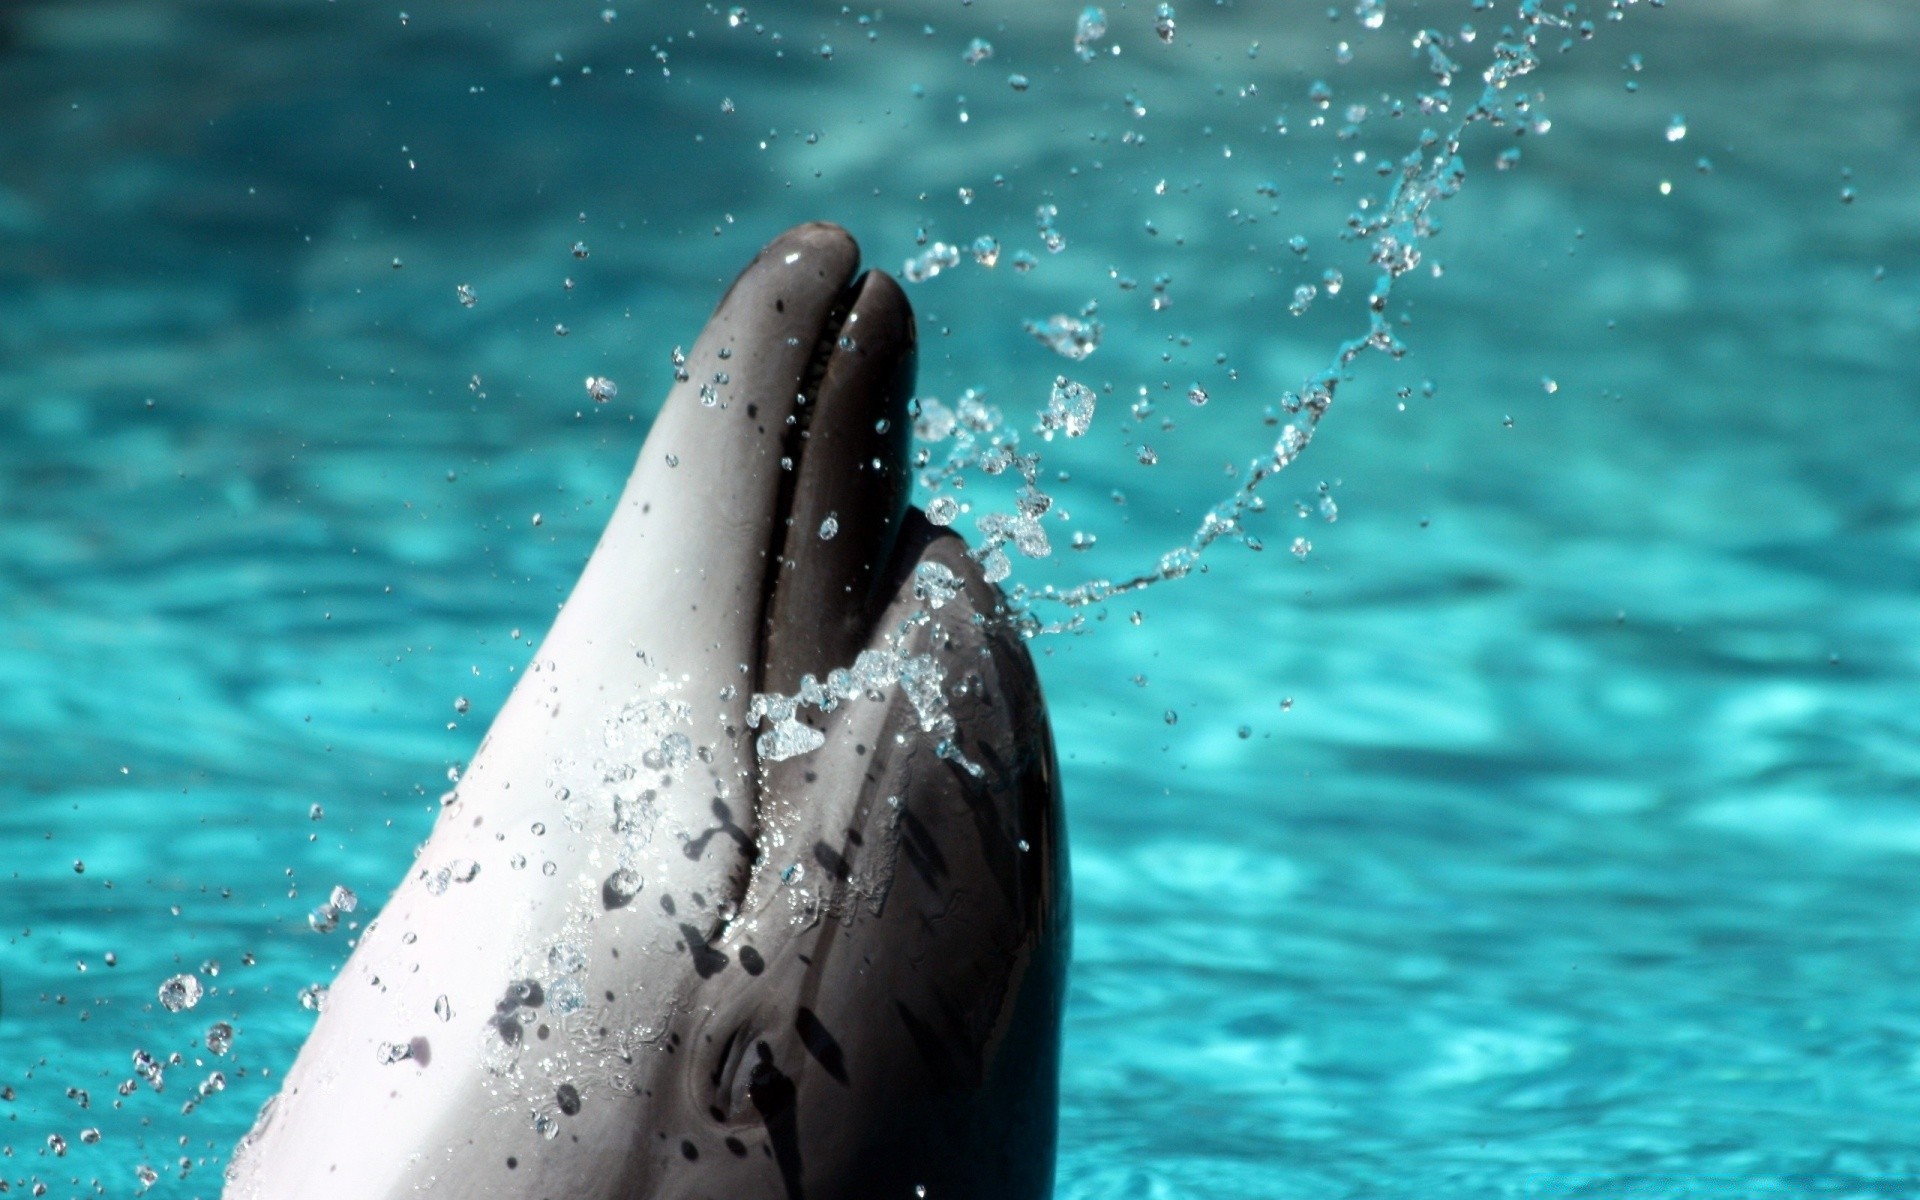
x=1547, y=827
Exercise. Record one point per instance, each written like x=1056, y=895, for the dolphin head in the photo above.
x=652, y=948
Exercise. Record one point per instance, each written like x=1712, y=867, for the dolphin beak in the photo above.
x=842, y=512
x=788, y=439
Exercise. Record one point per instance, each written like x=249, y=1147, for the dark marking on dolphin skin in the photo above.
x=821, y=1044
x=894, y=1023
x=775, y=1098
x=707, y=962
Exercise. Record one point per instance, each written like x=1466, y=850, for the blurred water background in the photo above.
x=1548, y=829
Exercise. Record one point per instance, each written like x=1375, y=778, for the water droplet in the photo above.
x=1069, y=409
x=829, y=527
x=179, y=993
x=1069, y=337
x=1088, y=30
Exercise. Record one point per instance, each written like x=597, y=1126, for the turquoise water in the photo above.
x=1549, y=829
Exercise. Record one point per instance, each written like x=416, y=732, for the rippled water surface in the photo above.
x=1549, y=829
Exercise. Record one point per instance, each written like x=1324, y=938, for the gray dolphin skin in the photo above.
x=638, y=959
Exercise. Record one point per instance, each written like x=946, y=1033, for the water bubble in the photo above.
x=1301, y=548
x=57, y=1145
x=393, y=1052
x=986, y=251
x=179, y=993
x=1196, y=395
x=736, y=17
x=1017, y=82
x=219, y=1037
x=601, y=389
x=1676, y=128
x=1146, y=456
x=466, y=294
x=343, y=898
x=580, y=250
x=941, y=510
x=1372, y=13
x=829, y=527
x=313, y=997
x=978, y=51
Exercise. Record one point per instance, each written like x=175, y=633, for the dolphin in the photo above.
x=650, y=949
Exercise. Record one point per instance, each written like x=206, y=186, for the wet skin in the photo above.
x=834, y=975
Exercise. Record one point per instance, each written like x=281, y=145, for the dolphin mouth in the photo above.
x=843, y=486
